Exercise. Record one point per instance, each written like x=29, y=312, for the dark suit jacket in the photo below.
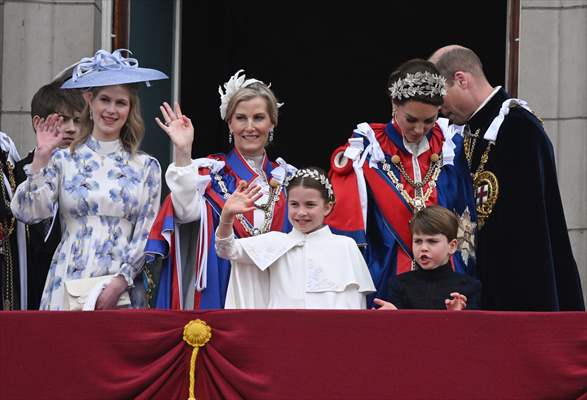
x=524, y=256
x=5, y=263
x=427, y=289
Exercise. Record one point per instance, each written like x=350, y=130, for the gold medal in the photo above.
x=486, y=188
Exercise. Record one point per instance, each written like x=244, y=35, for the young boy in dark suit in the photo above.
x=433, y=284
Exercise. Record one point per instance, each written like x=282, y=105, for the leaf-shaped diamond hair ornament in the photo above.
x=418, y=84
x=314, y=174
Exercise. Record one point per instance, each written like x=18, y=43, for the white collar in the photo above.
x=255, y=162
x=417, y=148
x=486, y=101
x=320, y=232
x=104, y=147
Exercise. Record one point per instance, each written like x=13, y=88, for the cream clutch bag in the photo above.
x=77, y=291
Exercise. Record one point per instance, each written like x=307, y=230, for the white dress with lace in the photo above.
x=188, y=186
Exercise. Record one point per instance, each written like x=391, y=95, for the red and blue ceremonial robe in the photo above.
x=211, y=272
x=371, y=209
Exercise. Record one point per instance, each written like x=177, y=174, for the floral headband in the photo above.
x=234, y=84
x=418, y=84
x=317, y=176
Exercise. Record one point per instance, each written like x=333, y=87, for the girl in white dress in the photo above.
x=106, y=191
x=310, y=267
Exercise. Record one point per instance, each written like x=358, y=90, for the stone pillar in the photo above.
x=553, y=79
x=38, y=40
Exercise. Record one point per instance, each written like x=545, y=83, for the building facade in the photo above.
x=39, y=38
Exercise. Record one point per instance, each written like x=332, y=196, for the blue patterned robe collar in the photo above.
x=241, y=167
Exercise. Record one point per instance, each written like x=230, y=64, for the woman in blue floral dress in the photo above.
x=106, y=191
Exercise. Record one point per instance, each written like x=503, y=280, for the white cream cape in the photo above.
x=319, y=270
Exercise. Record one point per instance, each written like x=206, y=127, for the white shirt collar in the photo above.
x=323, y=231
x=486, y=101
x=417, y=148
x=255, y=162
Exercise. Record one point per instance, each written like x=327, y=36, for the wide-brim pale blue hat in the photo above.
x=107, y=69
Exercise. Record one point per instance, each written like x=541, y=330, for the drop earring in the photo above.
x=271, y=136
x=229, y=137
x=91, y=115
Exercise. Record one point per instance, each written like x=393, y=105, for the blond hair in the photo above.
x=131, y=133
x=252, y=91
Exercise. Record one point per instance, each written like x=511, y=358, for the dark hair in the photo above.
x=435, y=220
x=458, y=58
x=310, y=178
x=50, y=99
x=411, y=67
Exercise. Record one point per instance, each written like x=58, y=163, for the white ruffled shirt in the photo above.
x=188, y=186
x=318, y=270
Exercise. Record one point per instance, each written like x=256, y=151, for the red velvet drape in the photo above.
x=294, y=354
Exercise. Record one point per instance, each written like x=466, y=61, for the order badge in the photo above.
x=486, y=192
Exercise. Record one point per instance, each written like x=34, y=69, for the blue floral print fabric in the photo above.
x=107, y=199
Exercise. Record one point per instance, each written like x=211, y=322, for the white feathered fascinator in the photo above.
x=235, y=83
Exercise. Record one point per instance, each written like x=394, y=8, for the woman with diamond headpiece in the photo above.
x=387, y=172
x=194, y=276
x=106, y=191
